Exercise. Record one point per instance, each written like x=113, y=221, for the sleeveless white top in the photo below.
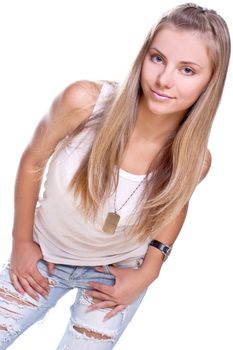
x=59, y=227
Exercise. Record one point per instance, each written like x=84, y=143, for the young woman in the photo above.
x=125, y=162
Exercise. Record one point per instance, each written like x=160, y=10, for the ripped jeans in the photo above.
x=86, y=329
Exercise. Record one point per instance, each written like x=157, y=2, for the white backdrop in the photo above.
x=46, y=45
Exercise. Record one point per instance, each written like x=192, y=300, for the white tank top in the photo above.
x=59, y=227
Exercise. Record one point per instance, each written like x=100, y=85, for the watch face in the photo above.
x=165, y=249
x=167, y=252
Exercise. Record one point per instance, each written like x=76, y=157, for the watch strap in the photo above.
x=164, y=248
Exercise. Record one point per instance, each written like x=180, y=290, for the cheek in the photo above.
x=144, y=73
x=193, y=90
x=149, y=71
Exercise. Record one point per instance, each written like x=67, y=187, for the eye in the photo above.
x=156, y=58
x=188, y=71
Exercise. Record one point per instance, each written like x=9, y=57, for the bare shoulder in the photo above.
x=73, y=105
x=206, y=165
x=79, y=96
x=68, y=110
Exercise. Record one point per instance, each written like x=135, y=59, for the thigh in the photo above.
x=87, y=330
x=18, y=312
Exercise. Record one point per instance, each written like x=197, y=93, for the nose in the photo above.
x=165, y=78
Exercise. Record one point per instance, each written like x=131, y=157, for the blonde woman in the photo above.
x=125, y=160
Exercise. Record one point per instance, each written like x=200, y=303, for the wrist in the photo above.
x=152, y=265
x=149, y=275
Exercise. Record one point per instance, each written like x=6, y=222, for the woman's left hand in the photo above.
x=129, y=284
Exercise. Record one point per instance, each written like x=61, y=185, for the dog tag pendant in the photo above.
x=111, y=222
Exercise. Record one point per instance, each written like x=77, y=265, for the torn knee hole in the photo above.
x=3, y=328
x=90, y=333
x=11, y=297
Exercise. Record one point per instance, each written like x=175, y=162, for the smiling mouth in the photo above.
x=161, y=96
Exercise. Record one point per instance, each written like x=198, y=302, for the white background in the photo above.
x=46, y=45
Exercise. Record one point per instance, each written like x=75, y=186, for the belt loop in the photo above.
x=140, y=262
x=106, y=269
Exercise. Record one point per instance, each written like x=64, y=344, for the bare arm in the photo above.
x=169, y=234
x=59, y=122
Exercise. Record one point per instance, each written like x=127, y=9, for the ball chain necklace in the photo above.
x=112, y=219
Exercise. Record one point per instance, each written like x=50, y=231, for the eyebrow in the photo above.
x=182, y=62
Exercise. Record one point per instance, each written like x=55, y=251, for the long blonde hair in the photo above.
x=179, y=164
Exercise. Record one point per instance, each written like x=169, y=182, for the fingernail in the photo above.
x=106, y=318
x=89, y=309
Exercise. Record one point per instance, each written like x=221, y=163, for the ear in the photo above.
x=206, y=165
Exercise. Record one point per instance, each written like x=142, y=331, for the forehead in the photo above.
x=182, y=45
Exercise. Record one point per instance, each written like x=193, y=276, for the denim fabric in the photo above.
x=18, y=312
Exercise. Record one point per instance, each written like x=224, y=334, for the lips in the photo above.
x=161, y=96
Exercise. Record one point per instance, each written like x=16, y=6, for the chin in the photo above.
x=159, y=110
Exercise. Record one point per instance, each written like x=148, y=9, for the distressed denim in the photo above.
x=18, y=312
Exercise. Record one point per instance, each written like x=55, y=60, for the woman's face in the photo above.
x=175, y=71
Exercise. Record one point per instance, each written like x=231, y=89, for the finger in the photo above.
x=101, y=305
x=51, y=267
x=16, y=284
x=34, y=285
x=114, y=311
x=102, y=287
x=28, y=289
x=100, y=269
x=41, y=281
x=112, y=270
x=99, y=296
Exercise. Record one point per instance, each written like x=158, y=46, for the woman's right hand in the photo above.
x=23, y=269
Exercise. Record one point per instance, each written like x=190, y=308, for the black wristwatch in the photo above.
x=165, y=249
